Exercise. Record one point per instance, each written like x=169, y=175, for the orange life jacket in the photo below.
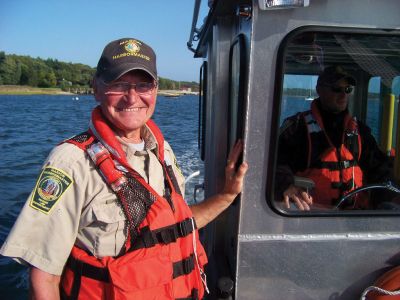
x=163, y=256
x=386, y=287
x=335, y=171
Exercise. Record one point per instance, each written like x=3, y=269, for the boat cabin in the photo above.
x=261, y=62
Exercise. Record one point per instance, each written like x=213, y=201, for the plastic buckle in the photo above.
x=119, y=183
x=345, y=164
x=97, y=151
x=185, y=227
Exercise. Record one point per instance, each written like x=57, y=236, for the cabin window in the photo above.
x=237, y=72
x=338, y=137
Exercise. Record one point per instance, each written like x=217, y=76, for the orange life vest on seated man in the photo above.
x=163, y=257
x=335, y=171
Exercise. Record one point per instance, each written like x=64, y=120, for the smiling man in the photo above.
x=330, y=147
x=106, y=219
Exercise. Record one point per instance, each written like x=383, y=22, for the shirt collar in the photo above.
x=150, y=142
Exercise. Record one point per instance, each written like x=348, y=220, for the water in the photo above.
x=30, y=126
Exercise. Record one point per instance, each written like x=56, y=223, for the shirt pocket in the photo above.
x=110, y=229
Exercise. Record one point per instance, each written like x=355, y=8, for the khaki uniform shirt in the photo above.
x=81, y=209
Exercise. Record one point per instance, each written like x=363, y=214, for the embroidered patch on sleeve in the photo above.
x=50, y=186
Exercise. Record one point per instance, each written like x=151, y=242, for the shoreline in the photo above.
x=28, y=90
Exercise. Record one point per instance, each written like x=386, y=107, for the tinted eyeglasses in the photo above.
x=341, y=89
x=121, y=87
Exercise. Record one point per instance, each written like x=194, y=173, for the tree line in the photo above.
x=50, y=73
x=305, y=93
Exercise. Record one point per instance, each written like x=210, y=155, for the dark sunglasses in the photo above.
x=341, y=89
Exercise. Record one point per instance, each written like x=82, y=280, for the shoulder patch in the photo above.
x=50, y=186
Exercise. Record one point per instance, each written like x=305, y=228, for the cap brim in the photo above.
x=350, y=80
x=122, y=69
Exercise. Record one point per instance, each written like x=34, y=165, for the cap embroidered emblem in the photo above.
x=132, y=46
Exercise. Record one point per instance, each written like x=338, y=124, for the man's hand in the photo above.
x=210, y=208
x=234, y=179
x=298, y=196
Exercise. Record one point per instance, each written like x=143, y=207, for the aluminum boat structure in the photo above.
x=258, y=58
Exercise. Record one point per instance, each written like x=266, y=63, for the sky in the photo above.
x=77, y=31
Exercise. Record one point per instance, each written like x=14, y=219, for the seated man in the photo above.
x=330, y=147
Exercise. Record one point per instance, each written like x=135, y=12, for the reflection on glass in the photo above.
x=234, y=94
x=237, y=61
x=337, y=141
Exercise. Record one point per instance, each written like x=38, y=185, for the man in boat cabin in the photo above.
x=326, y=145
x=107, y=219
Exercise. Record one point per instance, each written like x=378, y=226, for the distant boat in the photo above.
x=310, y=97
x=172, y=95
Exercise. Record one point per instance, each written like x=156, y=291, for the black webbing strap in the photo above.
x=63, y=294
x=334, y=166
x=193, y=296
x=165, y=235
x=183, y=267
x=87, y=270
x=80, y=268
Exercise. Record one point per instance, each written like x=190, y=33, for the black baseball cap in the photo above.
x=333, y=74
x=124, y=55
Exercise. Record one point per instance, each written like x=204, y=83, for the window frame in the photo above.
x=238, y=108
x=202, y=109
x=278, y=96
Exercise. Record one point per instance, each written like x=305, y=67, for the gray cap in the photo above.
x=333, y=74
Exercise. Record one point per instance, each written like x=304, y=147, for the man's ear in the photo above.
x=95, y=89
x=318, y=89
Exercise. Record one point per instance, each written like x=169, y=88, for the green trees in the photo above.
x=10, y=70
x=168, y=84
x=37, y=72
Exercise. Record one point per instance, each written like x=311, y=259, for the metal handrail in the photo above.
x=193, y=29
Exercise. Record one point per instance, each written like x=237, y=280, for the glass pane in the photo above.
x=202, y=110
x=236, y=91
x=337, y=147
x=234, y=94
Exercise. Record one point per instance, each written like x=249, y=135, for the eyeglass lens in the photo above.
x=341, y=89
x=124, y=87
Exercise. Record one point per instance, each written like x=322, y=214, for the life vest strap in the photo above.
x=194, y=296
x=183, y=267
x=165, y=235
x=81, y=140
x=87, y=270
x=80, y=268
x=334, y=166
